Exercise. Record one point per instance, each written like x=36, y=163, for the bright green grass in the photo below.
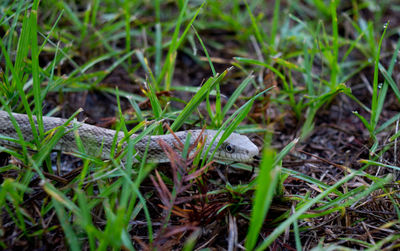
x=287, y=37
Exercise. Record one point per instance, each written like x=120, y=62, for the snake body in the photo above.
x=98, y=141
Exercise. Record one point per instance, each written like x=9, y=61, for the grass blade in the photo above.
x=266, y=183
x=197, y=99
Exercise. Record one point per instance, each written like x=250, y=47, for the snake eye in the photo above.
x=229, y=148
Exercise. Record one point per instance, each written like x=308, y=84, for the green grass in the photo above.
x=278, y=71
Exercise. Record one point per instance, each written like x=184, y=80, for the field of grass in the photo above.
x=313, y=83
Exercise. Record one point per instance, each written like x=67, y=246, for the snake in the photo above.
x=98, y=141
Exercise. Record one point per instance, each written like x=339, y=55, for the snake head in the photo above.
x=236, y=148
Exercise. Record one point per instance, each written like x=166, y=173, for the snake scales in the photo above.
x=98, y=141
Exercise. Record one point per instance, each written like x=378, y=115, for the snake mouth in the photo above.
x=254, y=154
x=240, y=159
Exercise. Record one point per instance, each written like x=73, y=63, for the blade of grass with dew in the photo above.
x=374, y=104
x=390, y=81
x=364, y=121
x=266, y=182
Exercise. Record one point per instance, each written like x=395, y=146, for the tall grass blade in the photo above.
x=266, y=182
x=197, y=99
